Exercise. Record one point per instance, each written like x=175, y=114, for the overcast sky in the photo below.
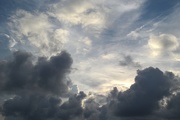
x=57, y=48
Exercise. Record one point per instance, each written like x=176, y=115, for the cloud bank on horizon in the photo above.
x=107, y=41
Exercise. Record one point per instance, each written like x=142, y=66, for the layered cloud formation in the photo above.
x=107, y=42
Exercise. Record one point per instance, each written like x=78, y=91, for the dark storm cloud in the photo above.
x=128, y=61
x=172, y=110
x=41, y=107
x=114, y=92
x=28, y=107
x=22, y=75
x=151, y=85
x=158, y=8
x=72, y=108
x=90, y=108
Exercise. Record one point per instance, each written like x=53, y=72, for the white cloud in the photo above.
x=102, y=79
x=78, y=12
x=30, y=24
x=133, y=35
x=61, y=35
x=37, y=33
x=109, y=56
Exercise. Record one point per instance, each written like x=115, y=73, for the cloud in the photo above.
x=35, y=33
x=22, y=75
x=28, y=107
x=78, y=12
x=40, y=107
x=142, y=99
x=163, y=44
x=72, y=109
x=108, y=56
x=173, y=107
x=34, y=89
x=128, y=61
x=74, y=89
x=150, y=86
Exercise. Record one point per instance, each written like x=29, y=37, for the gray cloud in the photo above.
x=41, y=107
x=150, y=86
x=128, y=61
x=21, y=74
x=29, y=107
x=37, y=88
x=142, y=99
x=164, y=42
x=172, y=110
x=163, y=45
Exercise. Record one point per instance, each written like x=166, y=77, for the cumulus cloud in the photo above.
x=150, y=86
x=34, y=89
x=21, y=74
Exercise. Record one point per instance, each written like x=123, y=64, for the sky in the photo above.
x=89, y=60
